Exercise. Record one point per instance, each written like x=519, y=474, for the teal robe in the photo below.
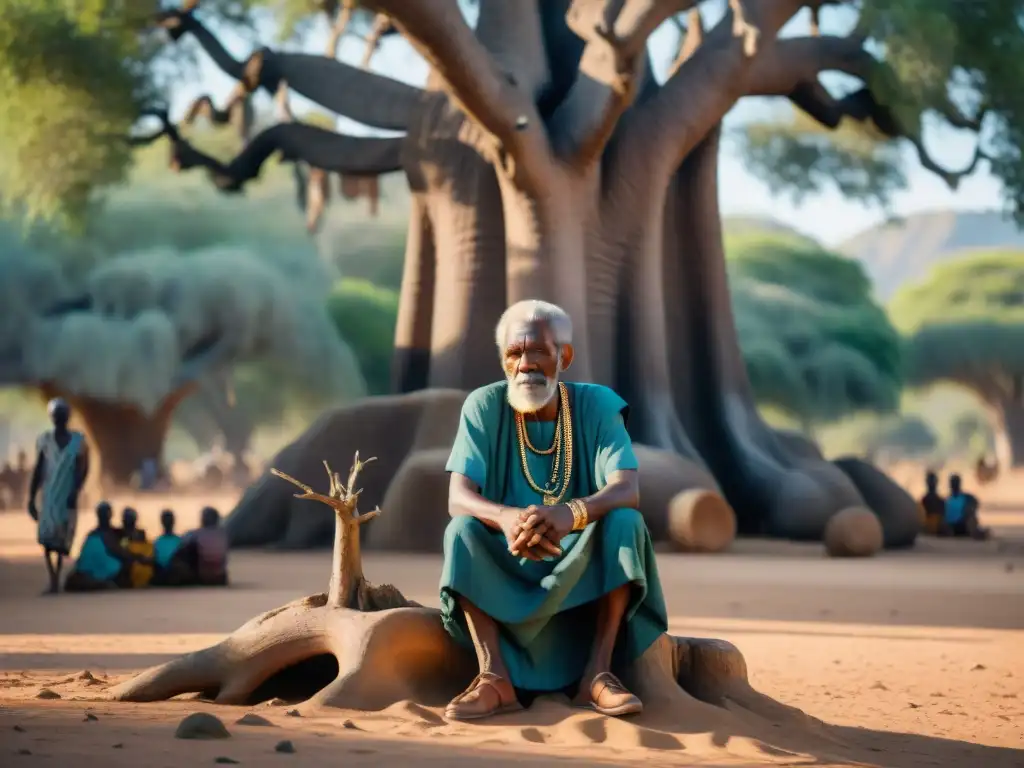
x=546, y=610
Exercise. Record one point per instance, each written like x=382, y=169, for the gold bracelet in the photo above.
x=580, y=516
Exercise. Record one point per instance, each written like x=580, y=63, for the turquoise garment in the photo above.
x=547, y=609
x=95, y=561
x=164, y=548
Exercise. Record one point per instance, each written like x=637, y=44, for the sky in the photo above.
x=828, y=216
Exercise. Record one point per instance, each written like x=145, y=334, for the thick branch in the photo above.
x=690, y=39
x=342, y=18
x=609, y=72
x=365, y=97
x=791, y=68
x=382, y=26
x=668, y=126
x=316, y=146
x=506, y=111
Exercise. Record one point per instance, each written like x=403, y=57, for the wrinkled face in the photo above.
x=532, y=361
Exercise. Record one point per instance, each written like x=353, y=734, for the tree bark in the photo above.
x=121, y=436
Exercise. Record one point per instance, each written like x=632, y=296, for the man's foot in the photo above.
x=608, y=696
x=487, y=695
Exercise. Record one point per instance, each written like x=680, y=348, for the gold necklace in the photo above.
x=563, y=452
x=554, y=441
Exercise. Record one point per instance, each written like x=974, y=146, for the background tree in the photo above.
x=129, y=342
x=815, y=343
x=965, y=325
x=546, y=160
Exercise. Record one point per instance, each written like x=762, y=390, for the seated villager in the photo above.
x=961, y=513
x=134, y=540
x=103, y=563
x=549, y=570
x=202, y=556
x=933, y=504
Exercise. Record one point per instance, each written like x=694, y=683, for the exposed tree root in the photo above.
x=364, y=647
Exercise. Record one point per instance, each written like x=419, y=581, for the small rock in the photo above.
x=24, y=752
x=293, y=713
x=201, y=725
x=1008, y=568
x=225, y=760
x=85, y=674
x=46, y=693
x=19, y=729
x=350, y=725
x=978, y=667
x=912, y=705
x=275, y=703
x=251, y=719
x=89, y=718
x=119, y=745
x=879, y=687
x=285, y=747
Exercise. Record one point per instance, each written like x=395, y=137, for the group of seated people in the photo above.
x=955, y=515
x=124, y=558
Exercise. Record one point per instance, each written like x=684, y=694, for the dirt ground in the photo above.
x=909, y=659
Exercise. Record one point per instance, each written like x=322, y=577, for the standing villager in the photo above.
x=62, y=464
x=549, y=570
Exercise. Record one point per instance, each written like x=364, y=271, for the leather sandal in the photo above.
x=476, y=708
x=608, y=696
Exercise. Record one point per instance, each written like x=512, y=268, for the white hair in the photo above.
x=533, y=311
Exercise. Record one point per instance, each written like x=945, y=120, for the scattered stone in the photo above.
x=275, y=703
x=879, y=687
x=978, y=667
x=285, y=747
x=89, y=718
x=19, y=729
x=119, y=745
x=293, y=713
x=201, y=725
x=24, y=752
x=912, y=705
x=937, y=695
x=85, y=674
x=853, y=532
x=350, y=725
x=225, y=760
x=47, y=693
x=1008, y=567
x=252, y=719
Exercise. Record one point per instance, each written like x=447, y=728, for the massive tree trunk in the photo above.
x=121, y=436
x=535, y=175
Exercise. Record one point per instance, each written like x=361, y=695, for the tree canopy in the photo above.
x=928, y=67
x=76, y=74
x=815, y=343
x=965, y=322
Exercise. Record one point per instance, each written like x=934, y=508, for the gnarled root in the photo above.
x=404, y=654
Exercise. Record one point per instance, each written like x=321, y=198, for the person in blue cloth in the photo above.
x=549, y=571
x=103, y=562
x=961, y=513
x=167, y=543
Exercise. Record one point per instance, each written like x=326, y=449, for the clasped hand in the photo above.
x=536, y=531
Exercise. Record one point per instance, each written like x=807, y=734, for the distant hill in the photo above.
x=904, y=251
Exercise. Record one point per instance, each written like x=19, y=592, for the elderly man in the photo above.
x=549, y=571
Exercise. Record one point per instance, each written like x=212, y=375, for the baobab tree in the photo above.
x=545, y=160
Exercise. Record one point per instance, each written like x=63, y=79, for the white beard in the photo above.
x=526, y=393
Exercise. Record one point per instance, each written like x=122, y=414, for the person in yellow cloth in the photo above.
x=549, y=572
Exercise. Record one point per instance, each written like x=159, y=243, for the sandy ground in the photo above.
x=911, y=659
